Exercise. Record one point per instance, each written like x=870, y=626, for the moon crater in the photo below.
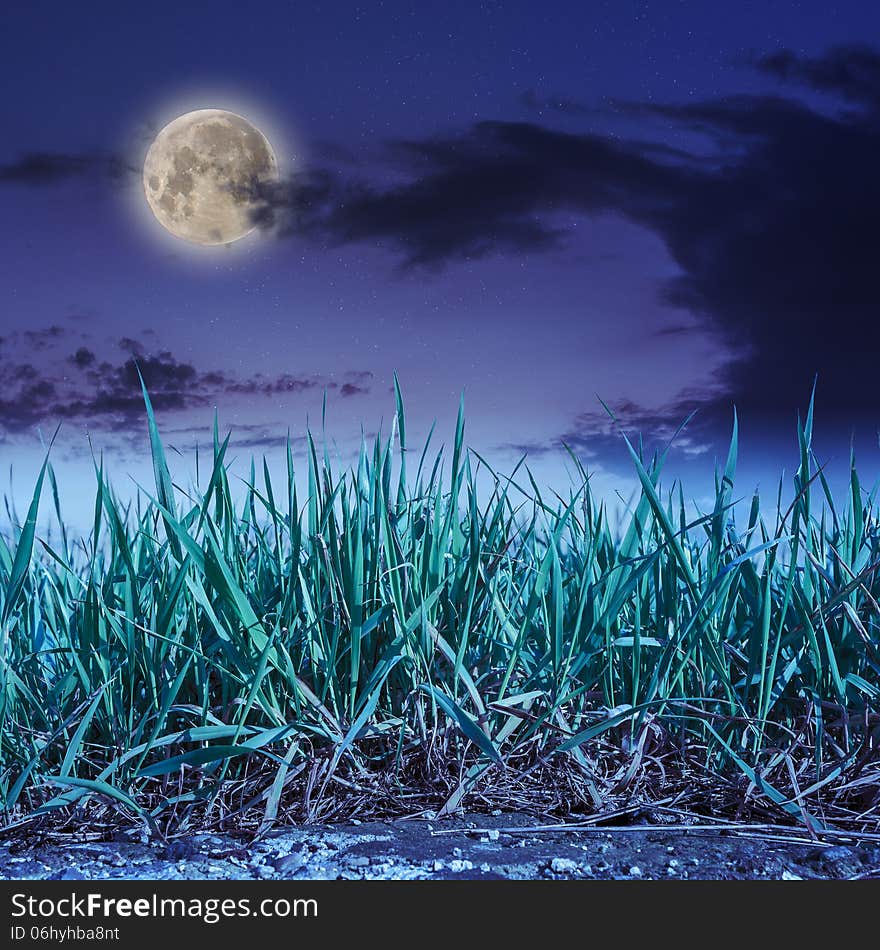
x=204, y=176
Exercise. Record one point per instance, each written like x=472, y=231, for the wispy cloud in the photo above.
x=851, y=71
x=41, y=169
x=689, y=423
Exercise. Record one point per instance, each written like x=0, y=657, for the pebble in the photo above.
x=179, y=848
x=563, y=866
x=836, y=853
x=356, y=861
x=290, y=863
x=635, y=871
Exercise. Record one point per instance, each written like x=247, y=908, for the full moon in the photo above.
x=202, y=175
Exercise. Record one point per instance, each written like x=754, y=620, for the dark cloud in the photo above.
x=36, y=340
x=129, y=345
x=493, y=187
x=771, y=221
x=778, y=251
x=594, y=433
x=260, y=385
x=37, y=169
x=701, y=414
x=106, y=394
x=352, y=389
x=43, y=168
x=678, y=329
x=161, y=373
x=40, y=339
x=83, y=357
x=297, y=205
x=851, y=71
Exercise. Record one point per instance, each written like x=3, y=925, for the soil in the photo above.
x=472, y=847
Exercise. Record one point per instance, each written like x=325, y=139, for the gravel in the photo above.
x=477, y=847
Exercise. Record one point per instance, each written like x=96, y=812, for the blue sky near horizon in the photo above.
x=668, y=205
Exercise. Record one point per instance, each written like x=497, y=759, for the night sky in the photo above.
x=670, y=205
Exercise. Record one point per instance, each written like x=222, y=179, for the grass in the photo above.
x=398, y=643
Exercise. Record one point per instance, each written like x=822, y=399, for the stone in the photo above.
x=290, y=863
x=836, y=854
x=179, y=849
x=356, y=861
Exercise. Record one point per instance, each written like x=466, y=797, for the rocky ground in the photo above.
x=474, y=847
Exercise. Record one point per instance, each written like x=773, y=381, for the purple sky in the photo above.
x=672, y=206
